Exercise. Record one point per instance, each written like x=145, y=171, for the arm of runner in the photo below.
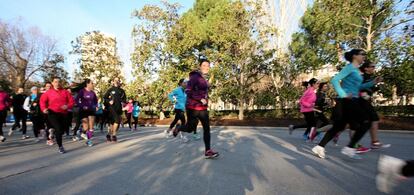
x=26, y=105
x=337, y=79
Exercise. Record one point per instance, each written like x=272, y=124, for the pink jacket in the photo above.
x=307, y=101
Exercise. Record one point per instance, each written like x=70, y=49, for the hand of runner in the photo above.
x=64, y=107
x=111, y=102
x=46, y=111
x=85, y=107
x=378, y=80
x=204, y=101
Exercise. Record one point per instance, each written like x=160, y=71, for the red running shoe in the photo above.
x=312, y=134
x=210, y=154
x=361, y=149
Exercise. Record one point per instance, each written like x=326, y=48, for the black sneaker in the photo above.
x=176, y=130
x=62, y=150
x=108, y=138
x=114, y=138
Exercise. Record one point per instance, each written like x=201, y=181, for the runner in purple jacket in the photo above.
x=87, y=103
x=197, y=104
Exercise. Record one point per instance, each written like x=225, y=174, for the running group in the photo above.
x=53, y=108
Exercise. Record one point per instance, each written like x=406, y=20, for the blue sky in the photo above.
x=64, y=20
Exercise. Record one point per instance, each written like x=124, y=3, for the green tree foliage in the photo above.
x=98, y=59
x=226, y=32
x=331, y=26
x=154, y=65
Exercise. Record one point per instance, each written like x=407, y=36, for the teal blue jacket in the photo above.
x=349, y=82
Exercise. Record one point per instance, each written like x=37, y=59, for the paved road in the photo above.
x=253, y=160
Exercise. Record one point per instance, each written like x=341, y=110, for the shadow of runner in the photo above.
x=147, y=165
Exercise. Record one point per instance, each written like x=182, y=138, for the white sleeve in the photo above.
x=26, y=105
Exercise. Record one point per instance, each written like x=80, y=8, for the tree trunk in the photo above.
x=369, y=34
x=241, y=99
x=241, y=109
x=20, y=73
x=339, y=52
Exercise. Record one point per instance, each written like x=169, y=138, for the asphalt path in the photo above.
x=253, y=160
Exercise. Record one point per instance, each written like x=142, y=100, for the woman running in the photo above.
x=32, y=106
x=128, y=112
x=368, y=70
x=135, y=114
x=307, y=104
x=197, y=104
x=100, y=116
x=50, y=131
x=349, y=109
x=87, y=103
x=179, y=98
x=4, y=106
x=55, y=103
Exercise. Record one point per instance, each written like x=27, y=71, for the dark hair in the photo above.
x=203, y=60
x=366, y=64
x=350, y=54
x=321, y=85
x=181, y=81
x=53, y=78
x=312, y=81
x=47, y=82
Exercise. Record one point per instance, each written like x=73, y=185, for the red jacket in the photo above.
x=54, y=99
x=4, y=100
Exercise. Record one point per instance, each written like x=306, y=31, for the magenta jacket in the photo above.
x=4, y=100
x=197, y=89
x=307, y=101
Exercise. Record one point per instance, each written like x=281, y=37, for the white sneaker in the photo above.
x=75, y=138
x=2, y=138
x=185, y=139
x=25, y=137
x=10, y=132
x=166, y=133
x=36, y=140
x=350, y=152
x=389, y=172
x=51, y=133
x=42, y=134
x=319, y=151
x=84, y=136
x=291, y=129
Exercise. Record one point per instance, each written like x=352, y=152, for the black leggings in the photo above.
x=310, y=121
x=56, y=120
x=76, y=116
x=320, y=116
x=179, y=115
x=20, y=116
x=128, y=116
x=408, y=169
x=352, y=112
x=38, y=124
x=69, y=121
x=193, y=117
x=135, y=122
x=99, y=121
x=3, y=115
